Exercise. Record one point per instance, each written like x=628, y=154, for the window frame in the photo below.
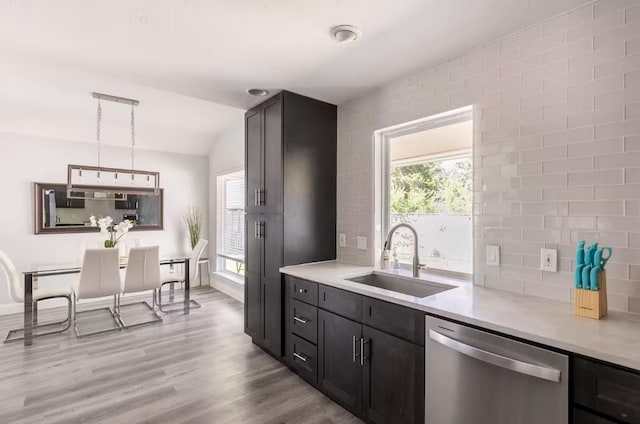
x=220, y=257
x=382, y=139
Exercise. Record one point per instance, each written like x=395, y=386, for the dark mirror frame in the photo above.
x=41, y=229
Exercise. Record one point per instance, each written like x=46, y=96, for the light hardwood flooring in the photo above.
x=196, y=369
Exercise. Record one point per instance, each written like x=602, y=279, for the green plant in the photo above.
x=193, y=218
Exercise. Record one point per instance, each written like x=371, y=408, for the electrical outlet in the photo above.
x=343, y=240
x=493, y=255
x=549, y=260
x=362, y=243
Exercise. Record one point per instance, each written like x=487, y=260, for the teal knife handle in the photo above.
x=586, y=276
x=595, y=275
x=580, y=253
x=578, y=276
x=591, y=251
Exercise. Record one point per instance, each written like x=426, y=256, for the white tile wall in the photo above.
x=556, y=147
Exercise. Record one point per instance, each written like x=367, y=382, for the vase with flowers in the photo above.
x=113, y=232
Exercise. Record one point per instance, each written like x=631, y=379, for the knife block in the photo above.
x=592, y=303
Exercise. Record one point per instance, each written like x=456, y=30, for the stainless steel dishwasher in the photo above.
x=474, y=377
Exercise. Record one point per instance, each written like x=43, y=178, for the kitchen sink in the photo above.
x=404, y=285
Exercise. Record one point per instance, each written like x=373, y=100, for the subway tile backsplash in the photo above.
x=556, y=147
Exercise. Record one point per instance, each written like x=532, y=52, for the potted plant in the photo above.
x=193, y=218
x=113, y=232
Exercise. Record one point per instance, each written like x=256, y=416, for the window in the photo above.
x=230, y=224
x=427, y=183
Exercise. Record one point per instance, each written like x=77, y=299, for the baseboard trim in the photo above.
x=227, y=286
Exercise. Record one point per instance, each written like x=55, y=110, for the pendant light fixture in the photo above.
x=99, y=182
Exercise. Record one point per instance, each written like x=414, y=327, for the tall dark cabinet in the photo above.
x=290, y=166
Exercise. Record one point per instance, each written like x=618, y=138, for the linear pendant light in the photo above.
x=99, y=182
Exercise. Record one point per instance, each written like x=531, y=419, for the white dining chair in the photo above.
x=16, y=293
x=142, y=274
x=99, y=277
x=178, y=278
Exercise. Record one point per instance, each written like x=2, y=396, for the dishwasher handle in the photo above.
x=511, y=364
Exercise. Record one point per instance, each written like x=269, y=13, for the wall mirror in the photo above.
x=58, y=211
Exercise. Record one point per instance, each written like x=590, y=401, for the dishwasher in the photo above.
x=475, y=377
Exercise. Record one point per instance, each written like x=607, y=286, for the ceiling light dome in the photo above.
x=345, y=33
x=260, y=92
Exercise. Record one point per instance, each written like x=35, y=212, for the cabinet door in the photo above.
x=76, y=203
x=271, y=196
x=339, y=369
x=61, y=199
x=392, y=380
x=271, y=236
x=252, y=282
x=253, y=159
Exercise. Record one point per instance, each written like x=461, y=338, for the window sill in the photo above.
x=230, y=277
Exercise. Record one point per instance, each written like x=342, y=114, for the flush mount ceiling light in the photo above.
x=84, y=181
x=260, y=92
x=345, y=33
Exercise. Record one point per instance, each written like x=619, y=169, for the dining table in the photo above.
x=39, y=271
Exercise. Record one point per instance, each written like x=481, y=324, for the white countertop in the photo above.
x=614, y=339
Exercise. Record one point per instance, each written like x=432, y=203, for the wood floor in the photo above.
x=196, y=369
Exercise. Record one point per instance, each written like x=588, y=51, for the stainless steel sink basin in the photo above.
x=400, y=284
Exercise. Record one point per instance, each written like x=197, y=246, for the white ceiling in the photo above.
x=214, y=50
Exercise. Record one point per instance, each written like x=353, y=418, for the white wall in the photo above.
x=556, y=148
x=25, y=159
x=227, y=155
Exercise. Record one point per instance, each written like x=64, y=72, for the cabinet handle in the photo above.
x=261, y=196
x=362, y=358
x=300, y=320
x=262, y=229
x=302, y=290
x=256, y=200
x=256, y=233
x=300, y=357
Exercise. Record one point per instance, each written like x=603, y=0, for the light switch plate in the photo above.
x=549, y=260
x=343, y=240
x=493, y=255
x=362, y=243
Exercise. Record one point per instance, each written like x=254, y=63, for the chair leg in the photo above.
x=66, y=321
x=194, y=304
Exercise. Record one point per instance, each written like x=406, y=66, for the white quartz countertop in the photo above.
x=614, y=339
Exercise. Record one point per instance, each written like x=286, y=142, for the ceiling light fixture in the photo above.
x=345, y=33
x=260, y=92
x=83, y=181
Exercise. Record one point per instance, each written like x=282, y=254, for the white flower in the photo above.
x=92, y=220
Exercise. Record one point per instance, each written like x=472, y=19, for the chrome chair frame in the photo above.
x=67, y=321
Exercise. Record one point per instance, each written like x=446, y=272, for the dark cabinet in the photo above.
x=129, y=201
x=67, y=201
x=363, y=353
x=392, y=379
x=290, y=151
x=263, y=286
x=583, y=417
x=608, y=390
x=339, y=368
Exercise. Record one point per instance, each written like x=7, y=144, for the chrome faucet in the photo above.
x=416, y=259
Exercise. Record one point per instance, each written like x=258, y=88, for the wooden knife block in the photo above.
x=592, y=303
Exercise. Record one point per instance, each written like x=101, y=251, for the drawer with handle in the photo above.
x=303, y=358
x=611, y=391
x=304, y=290
x=304, y=320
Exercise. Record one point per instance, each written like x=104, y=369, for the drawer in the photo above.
x=304, y=321
x=303, y=358
x=583, y=417
x=306, y=291
x=344, y=303
x=394, y=319
x=608, y=390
